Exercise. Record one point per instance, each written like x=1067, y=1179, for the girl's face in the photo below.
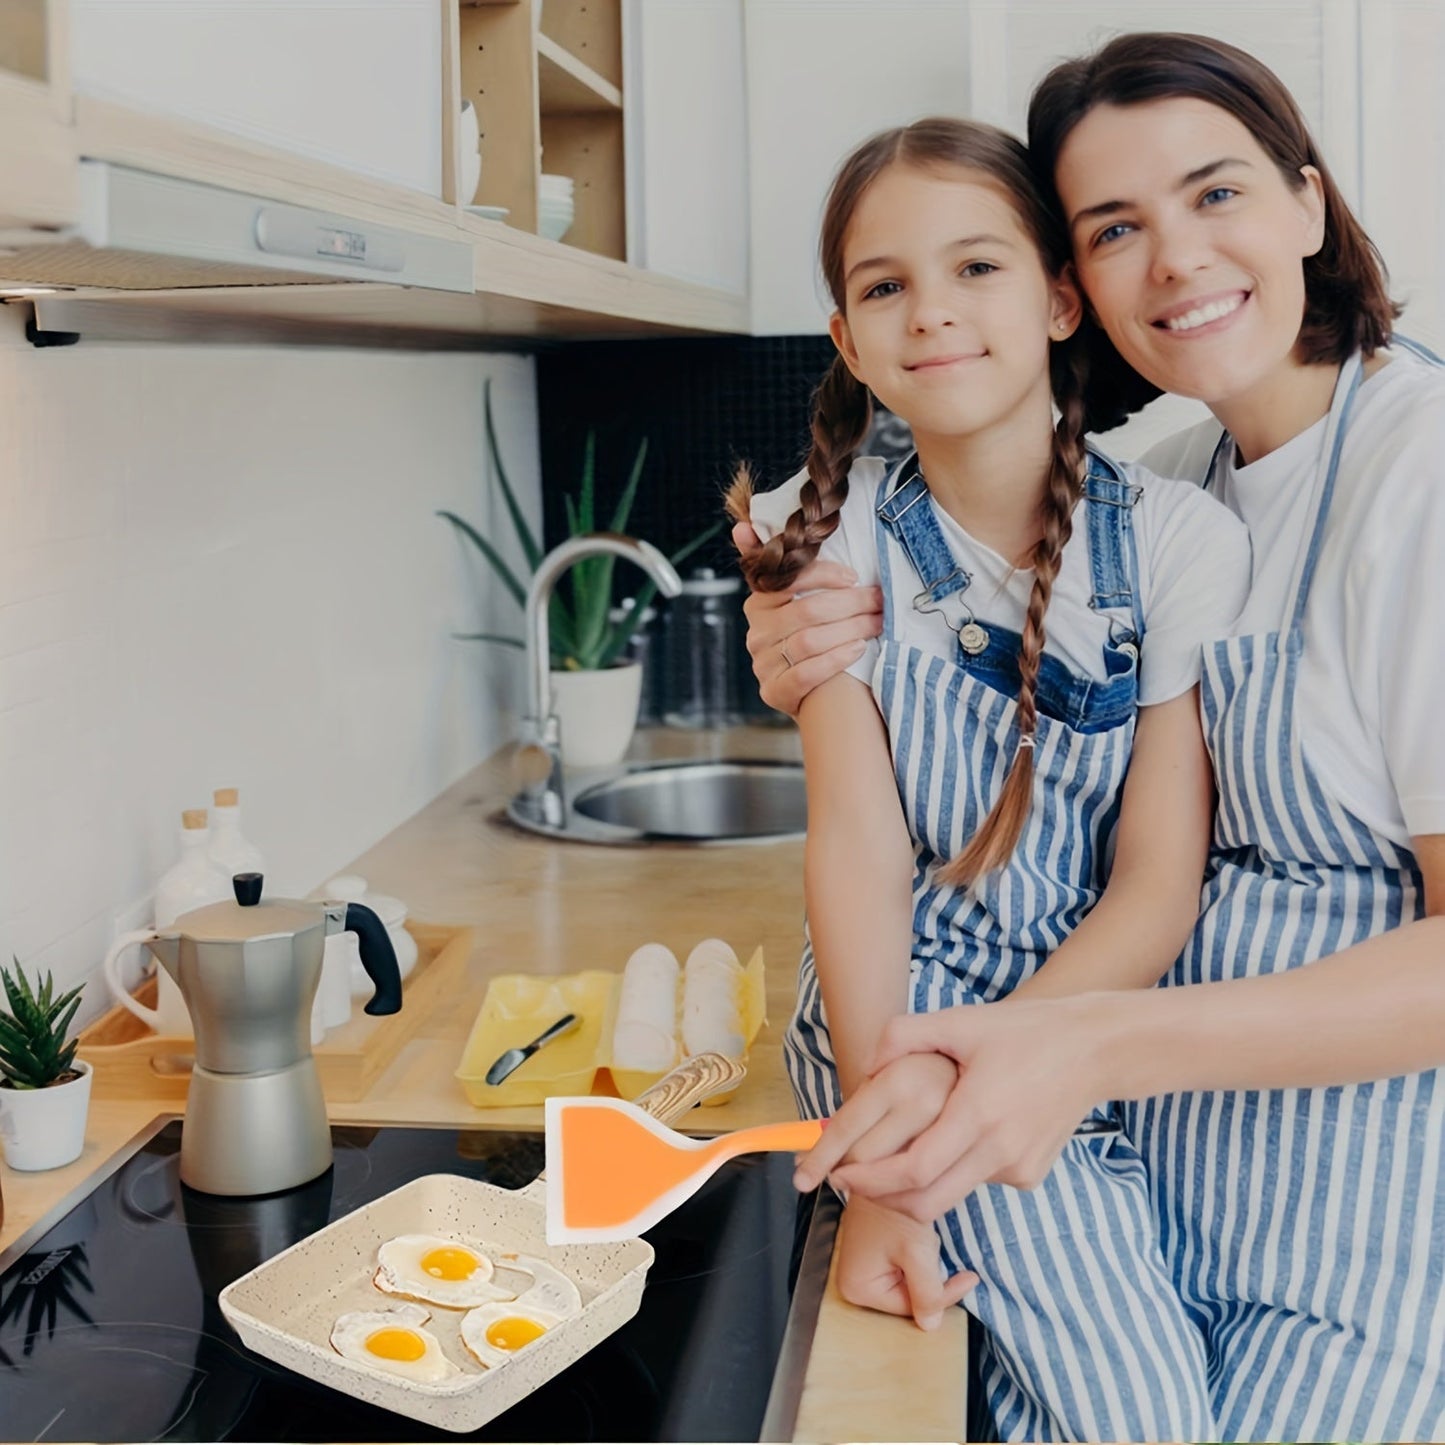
x=948, y=311
x=1189, y=244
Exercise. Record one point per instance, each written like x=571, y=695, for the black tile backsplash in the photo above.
x=702, y=404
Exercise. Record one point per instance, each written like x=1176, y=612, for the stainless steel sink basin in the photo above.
x=688, y=802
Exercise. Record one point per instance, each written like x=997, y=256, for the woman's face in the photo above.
x=1189, y=244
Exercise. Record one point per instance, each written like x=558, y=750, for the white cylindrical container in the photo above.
x=45, y=1128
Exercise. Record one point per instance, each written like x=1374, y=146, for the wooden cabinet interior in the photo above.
x=23, y=38
x=548, y=99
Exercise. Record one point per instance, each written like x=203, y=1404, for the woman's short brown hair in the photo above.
x=1347, y=303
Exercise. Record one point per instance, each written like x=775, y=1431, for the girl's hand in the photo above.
x=797, y=643
x=1028, y=1072
x=884, y=1115
x=888, y=1262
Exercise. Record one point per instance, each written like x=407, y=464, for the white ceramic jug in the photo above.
x=189, y=883
x=169, y=1017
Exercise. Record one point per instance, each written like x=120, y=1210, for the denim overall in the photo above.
x=1304, y=1228
x=1084, y=1335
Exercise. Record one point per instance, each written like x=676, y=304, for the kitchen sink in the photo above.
x=684, y=802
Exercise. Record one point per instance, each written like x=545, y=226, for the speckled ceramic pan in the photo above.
x=284, y=1309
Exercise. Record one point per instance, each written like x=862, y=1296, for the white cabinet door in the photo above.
x=686, y=122
x=353, y=82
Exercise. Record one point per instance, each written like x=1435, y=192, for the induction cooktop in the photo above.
x=110, y=1330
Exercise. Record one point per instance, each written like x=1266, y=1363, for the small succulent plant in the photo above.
x=33, y=1051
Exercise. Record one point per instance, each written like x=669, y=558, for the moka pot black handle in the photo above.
x=378, y=958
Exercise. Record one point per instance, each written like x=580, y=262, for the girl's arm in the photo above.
x=857, y=870
x=1145, y=914
x=858, y=877
x=1028, y=1070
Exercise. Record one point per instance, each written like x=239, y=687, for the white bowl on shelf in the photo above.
x=555, y=187
x=554, y=219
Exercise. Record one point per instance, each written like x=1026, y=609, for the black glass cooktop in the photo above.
x=110, y=1330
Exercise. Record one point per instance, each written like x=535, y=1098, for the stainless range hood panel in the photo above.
x=214, y=230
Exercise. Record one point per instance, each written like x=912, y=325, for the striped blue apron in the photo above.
x=1084, y=1336
x=1304, y=1228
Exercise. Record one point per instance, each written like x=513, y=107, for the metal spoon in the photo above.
x=514, y=1058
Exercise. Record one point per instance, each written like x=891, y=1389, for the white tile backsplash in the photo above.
x=221, y=567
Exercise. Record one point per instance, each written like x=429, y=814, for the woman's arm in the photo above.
x=1145, y=914
x=857, y=871
x=1027, y=1069
x=799, y=642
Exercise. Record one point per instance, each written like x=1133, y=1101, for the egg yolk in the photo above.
x=513, y=1332
x=450, y=1263
x=395, y=1344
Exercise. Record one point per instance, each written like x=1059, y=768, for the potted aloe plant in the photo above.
x=44, y=1088
x=595, y=690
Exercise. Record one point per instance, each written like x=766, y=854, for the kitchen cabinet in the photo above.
x=37, y=149
x=687, y=140
x=356, y=83
x=550, y=93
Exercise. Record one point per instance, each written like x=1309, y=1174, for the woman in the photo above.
x=1290, y=1116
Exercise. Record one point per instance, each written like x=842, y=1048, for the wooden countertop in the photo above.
x=551, y=908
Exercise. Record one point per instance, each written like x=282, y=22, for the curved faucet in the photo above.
x=542, y=795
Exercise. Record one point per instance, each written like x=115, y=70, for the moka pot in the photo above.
x=255, y=1115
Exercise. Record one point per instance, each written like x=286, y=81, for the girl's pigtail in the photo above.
x=842, y=411
x=992, y=845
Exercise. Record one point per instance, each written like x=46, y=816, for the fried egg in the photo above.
x=494, y=1333
x=550, y=1292
x=453, y=1273
x=392, y=1339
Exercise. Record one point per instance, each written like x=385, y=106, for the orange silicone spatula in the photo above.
x=613, y=1171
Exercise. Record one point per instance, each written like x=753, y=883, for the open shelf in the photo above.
x=567, y=87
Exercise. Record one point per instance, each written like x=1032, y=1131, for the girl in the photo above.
x=1291, y=1111
x=1043, y=612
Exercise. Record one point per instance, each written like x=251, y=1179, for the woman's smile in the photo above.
x=1202, y=315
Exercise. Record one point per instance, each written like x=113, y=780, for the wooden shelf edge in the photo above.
x=568, y=87
x=366, y=314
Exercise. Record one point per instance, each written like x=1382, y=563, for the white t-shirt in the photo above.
x=1193, y=578
x=1372, y=674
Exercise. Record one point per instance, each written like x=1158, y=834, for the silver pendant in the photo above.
x=972, y=638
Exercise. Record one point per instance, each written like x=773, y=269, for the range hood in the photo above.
x=138, y=230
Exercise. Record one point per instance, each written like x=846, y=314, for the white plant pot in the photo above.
x=45, y=1128
x=597, y=712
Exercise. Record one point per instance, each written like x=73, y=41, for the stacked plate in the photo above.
x=554, y=207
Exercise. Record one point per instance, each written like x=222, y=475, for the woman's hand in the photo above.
x=1028, y=1072
x=885, y=1114
x=888, y=1262
x=796, y=642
